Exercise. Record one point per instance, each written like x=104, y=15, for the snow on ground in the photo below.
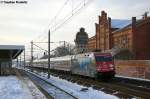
x=12, y=88
x=75, y=89
x=36, y=93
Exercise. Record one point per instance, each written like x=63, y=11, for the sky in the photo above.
x=21, y=23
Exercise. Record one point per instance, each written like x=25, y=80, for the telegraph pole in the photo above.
x=31, y=53
x=20, y=61
x=24, y=59
x=49, y=54
x=64, y=43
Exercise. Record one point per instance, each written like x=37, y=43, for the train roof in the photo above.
x=68, y=57
x=63, y=58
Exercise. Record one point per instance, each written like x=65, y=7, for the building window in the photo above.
x=124, y=42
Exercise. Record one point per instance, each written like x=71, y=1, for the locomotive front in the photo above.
x=104, y=65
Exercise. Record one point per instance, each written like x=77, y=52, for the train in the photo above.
x=93, y=64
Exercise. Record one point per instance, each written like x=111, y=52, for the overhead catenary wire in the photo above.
x=54, y=18
x=67, y=18
x=59, y=11
x=77, y=11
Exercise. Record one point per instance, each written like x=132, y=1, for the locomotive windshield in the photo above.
x=103, y=58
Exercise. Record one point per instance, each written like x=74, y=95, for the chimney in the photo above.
x=133, y=24
x=102, y=13
x=134, y=34
x=104, y=17
x=133, y=21
x=110, y=36
x=99, y=19
x=145, y=15
x=109, y=20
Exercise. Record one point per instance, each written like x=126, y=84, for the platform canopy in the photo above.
x=10, y=51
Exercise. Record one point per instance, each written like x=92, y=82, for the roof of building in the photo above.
x=120, y=23
x=127, y=24
x=93, y=37
x=10, y=51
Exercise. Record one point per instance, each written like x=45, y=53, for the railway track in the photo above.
x=48, y=88
x=120, y=87
x=133, y=81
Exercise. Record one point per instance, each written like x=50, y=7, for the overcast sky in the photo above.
x=21, y=23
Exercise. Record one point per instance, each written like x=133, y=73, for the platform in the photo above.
x=12, y=87
x=7, y=54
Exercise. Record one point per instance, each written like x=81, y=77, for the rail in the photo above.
x=120, y=87
x=43, y=82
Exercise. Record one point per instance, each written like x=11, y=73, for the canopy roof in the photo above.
x=10, y=51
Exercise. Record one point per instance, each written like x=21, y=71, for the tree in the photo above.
x=64, y=50
x=61, y=51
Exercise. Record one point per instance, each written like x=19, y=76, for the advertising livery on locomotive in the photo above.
x=93, y=64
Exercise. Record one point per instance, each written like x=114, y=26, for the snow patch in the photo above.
x=12, y=88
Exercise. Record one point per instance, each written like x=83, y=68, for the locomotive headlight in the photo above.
x=111, y=65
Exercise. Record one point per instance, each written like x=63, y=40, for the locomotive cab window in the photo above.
x=103, y=58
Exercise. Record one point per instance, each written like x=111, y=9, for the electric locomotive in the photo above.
x=94, y=64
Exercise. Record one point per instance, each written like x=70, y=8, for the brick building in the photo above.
x=126, y=34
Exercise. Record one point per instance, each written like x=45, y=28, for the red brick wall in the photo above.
x=118, y=38
x=92, y=44
x=133, y=68
x=97, y=36
x=143, y=40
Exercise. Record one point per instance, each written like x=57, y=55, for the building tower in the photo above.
x=103, y=32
